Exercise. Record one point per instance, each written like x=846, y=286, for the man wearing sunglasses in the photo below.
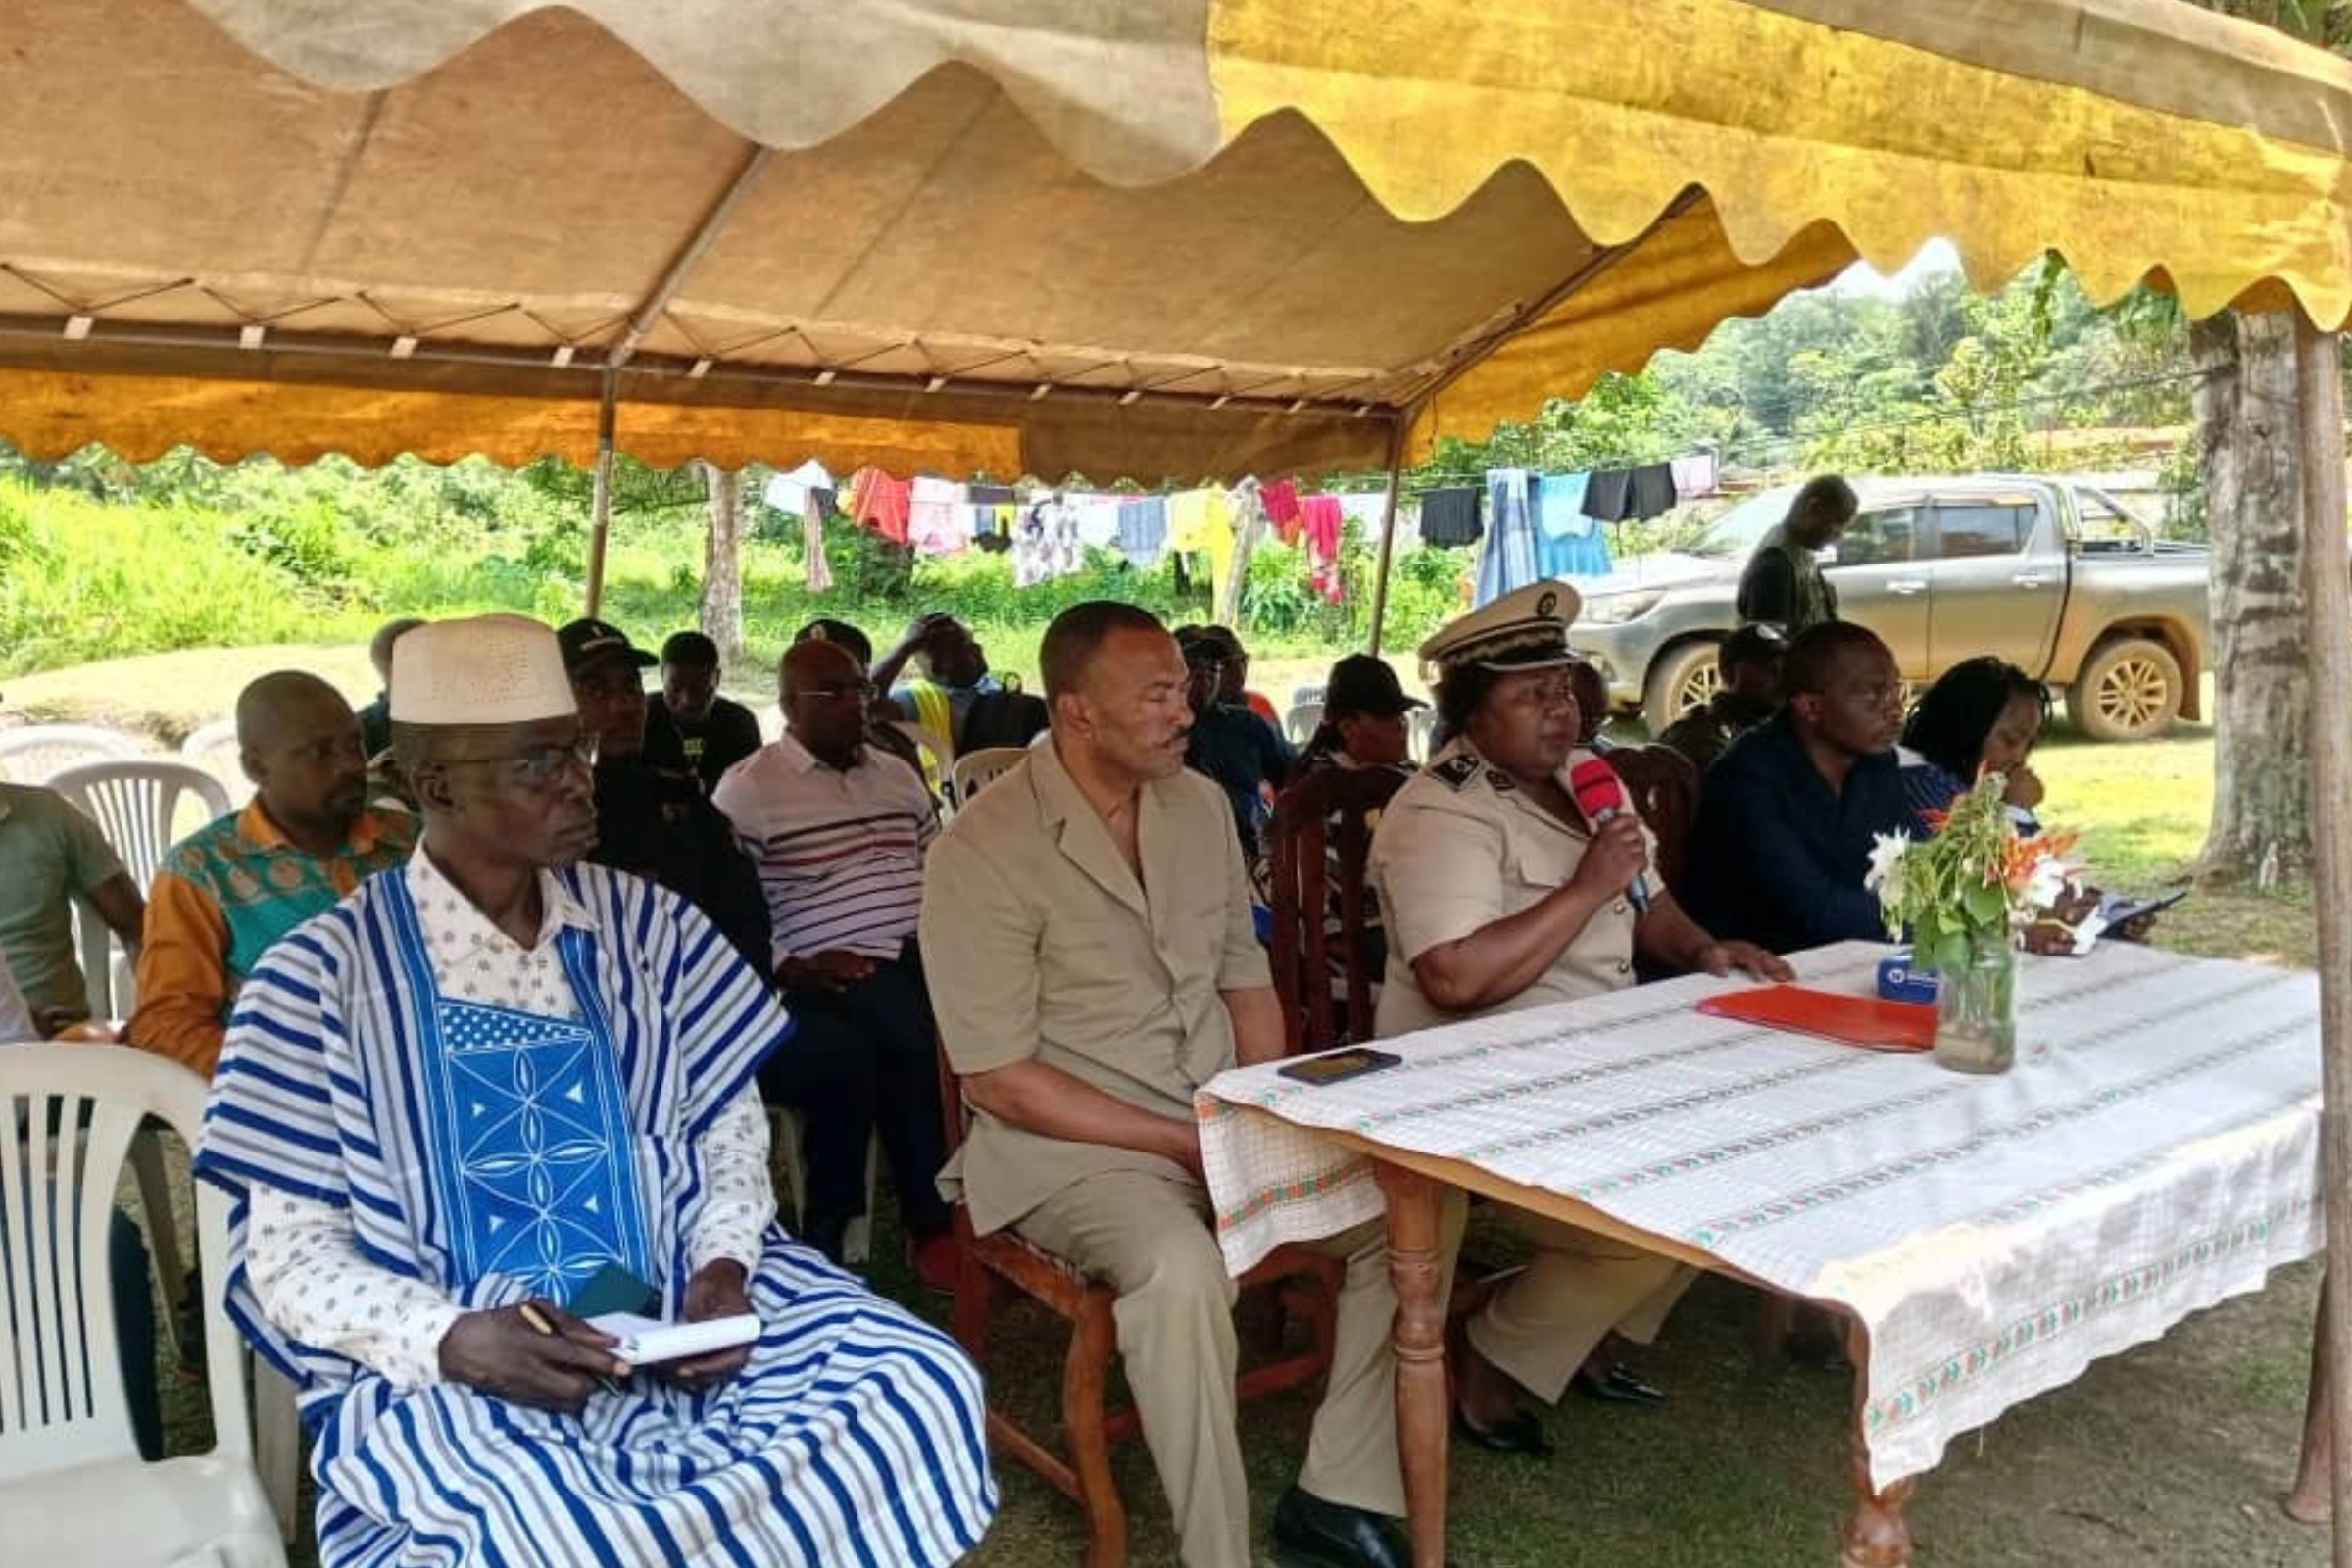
x=651, y=823
x=839, y=832
x=487, y=1082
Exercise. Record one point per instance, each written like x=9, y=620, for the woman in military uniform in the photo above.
x=1501, y=895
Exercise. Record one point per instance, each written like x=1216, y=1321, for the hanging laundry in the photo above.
x=1045, y=543
x=789, y=491
x=1450, y=518
x=1694, y=476
x=1202, y=520
x=1507, y=558
x=816, y=572
x=1097, y=519
x=1143, y=531
x=1322, y=521
x=1280, y=498
x=1625, y=495
x=1568, y=543
x=937, y=521
x=880, y=503
x=993, y=513
x=1561, y=527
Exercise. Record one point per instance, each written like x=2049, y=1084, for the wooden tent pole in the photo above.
x=600, y=506
x=1387, y=529
x=2328, y=586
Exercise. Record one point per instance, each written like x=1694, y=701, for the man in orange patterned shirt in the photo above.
x=235, y=887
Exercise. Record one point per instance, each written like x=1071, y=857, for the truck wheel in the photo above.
x=1683, y=677
x=2128, y=690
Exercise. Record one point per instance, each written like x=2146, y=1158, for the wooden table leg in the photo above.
x=2312, y=1502
x=1421, y=1426
x=1876, y=1536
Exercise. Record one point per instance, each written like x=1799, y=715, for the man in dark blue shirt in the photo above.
x=1791, y=809
x=1229, y=743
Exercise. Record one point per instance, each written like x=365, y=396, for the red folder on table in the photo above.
x=1869, y=1021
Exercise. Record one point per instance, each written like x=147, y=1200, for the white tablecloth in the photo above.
x=2155, y=1151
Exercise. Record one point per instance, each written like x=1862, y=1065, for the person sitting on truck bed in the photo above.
x=1783, y=585
x=1792, y=807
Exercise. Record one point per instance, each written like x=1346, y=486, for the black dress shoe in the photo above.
x=1617, y=1385
x=1521, y=1435
x=1309, y=1533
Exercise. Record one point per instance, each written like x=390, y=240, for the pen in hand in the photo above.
x=541, y=1324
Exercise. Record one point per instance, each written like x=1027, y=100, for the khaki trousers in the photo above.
x=1539, y=1327
x=1149, y=1238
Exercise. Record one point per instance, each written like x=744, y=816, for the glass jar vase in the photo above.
x=1975, y=1006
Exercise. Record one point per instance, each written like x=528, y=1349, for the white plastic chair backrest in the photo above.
x=974, y=769
x=1301, y=722
x=771, y=723
x=214, y=748
x=1420, y=723
x=108, y=979
x=35, y=752
x=1044, y=737
x=62, y=1401
x=136, y=805
x=1307, y=694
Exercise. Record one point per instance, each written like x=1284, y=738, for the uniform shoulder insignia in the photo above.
x=1499, y=782
x=1455, y=772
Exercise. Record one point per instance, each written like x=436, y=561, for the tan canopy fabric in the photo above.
x=1182, y=238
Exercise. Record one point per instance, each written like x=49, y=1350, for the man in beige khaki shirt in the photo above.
x=1091, y=961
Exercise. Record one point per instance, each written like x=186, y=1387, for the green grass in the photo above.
x=2172, y=1455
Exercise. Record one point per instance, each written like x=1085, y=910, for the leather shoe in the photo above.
x=1522, y=1435
x=1616, y=1386
x=1309, y=1533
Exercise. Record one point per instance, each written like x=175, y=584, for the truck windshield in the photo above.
x=1733, y=535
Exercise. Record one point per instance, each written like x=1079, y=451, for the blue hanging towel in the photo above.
x=1562, y=531
x=1507, y=558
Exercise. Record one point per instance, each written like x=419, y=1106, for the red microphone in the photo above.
x=1600, y=795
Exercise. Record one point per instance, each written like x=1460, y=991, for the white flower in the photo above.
x=1886, y=874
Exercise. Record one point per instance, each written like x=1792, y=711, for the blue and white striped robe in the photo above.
x=855, y=1434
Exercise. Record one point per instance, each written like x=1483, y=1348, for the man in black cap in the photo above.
x=1232, y=745
x=689, y=728
x=1364, y=706
x=1749, y=665
x=653, y=824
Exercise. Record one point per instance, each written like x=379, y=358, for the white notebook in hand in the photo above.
x=649, y=1341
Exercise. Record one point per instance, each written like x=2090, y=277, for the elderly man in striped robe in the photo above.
x=486, y=1088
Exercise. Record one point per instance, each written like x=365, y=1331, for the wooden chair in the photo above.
x=1322, y=830
x=1663, y=786
x=1079, y=1465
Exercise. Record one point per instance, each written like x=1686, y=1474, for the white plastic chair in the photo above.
x=1301, y=722
x=71, y=1482
x=974, y=769
x=771, y=723
x=35, y=752
x=1307, y=694
x=784, y=1155
x=214, y=748
x=136, y=803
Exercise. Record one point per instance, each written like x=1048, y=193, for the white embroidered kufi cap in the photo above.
x=486, y=669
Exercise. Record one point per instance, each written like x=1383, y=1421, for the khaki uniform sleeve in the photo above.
x=182, y=1010
x=979, y=943
x=1440, y=866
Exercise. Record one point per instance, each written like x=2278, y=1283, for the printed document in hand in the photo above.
x=649, y=1341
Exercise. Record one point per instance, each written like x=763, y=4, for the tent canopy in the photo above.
x=1183, y=238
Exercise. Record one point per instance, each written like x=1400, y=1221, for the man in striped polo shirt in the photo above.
x=838, y=832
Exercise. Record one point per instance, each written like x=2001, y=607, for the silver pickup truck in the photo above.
x=2052, y=575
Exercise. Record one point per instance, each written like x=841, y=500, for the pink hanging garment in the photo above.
x=1320, y=521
